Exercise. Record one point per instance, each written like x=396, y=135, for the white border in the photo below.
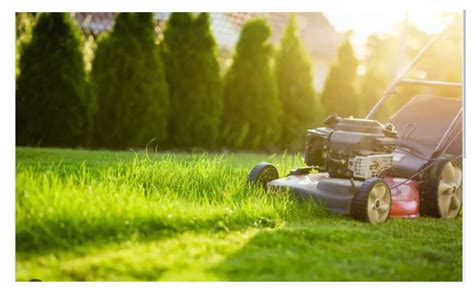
x=7, y=114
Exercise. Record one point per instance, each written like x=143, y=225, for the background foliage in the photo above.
x=51, y=96
x=193, y=75
x=295, y=89
x=129, y=85
x=135, y=94
x=252, y=109
x=24, y=24
x=339, y=94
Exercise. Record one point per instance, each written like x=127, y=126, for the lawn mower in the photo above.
x=408, y=166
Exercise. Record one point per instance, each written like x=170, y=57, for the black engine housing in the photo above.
x=330, y=148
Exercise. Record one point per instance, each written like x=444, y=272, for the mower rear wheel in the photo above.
x=262, y=173
x=372, y=202
x=441, y=194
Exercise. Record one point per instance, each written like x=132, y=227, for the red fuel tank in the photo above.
x=405, y=198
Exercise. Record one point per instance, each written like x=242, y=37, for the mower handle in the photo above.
x=399, y=80
x=430, y=83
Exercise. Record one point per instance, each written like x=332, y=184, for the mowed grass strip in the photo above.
x=98, y=215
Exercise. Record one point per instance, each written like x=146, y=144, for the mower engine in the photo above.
x=351, y=148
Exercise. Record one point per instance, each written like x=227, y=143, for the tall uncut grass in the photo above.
x=63, y=204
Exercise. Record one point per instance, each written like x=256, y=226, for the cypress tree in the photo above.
x=295, y=89
x=51, y=87
x=338, y=95
x=193, y=75
x=252, y=111
x=129, y=85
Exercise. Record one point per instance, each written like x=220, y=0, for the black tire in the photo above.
x=368, y=196
x=431, y=203
x=262, y=173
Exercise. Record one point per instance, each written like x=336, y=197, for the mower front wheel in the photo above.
x=372, y=202
x=262, y=173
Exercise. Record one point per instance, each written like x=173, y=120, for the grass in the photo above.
x=97, y=215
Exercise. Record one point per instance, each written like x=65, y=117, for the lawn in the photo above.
x=99, y=215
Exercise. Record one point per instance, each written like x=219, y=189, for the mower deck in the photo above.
x=338, y=194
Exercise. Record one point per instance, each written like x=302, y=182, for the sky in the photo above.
x=366, y=23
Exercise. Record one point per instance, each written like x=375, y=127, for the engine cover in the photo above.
x=351, y=148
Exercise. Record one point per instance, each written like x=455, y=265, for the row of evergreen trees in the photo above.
x=171, y=92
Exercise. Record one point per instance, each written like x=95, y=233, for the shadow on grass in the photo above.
x=319, y=249
x=349, y=251
x=66, y=234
